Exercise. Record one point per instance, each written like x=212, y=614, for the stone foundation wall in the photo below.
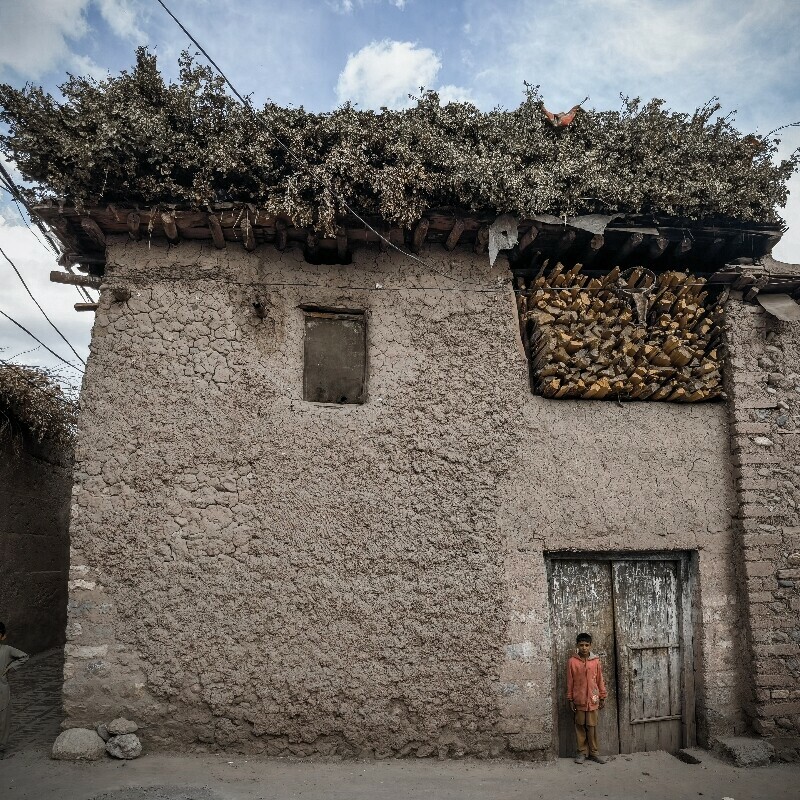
x=763, y=374
x=35, y=496
x=259, y=573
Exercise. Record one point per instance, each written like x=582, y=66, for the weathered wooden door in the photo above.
x=649, y=655
x=581, y=600
x=634, y=610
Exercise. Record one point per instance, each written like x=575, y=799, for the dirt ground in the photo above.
x=31, y=775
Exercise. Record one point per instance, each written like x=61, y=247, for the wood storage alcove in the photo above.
x=638, y=608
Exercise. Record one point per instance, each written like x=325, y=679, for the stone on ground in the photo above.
x=121, y=726
x=78, y=744
x=746, y=752
x=125, y=746
x=102, y=732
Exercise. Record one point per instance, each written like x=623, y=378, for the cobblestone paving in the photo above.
x=36, y=701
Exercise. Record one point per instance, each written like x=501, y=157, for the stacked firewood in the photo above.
x=585, y=337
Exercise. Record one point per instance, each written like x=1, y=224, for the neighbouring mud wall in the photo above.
x=257, y=572
x=35, y=495
x=763, y=375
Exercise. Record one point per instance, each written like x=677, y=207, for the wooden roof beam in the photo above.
x=420, y=232
x=217, y=236
x=527, y=238
x=75, y=280
x=170, y=227
x=593, y=247
x=93, y=231
x=455, y=234
x=630, y=244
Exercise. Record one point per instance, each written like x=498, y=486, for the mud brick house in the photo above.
x=333, y=498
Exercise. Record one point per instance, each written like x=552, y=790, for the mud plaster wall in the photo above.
x=35, y=495
x=763, y=375
x=256, y=572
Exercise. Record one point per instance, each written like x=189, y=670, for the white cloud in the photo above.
x=121, y=17
x=348, y=6
x=385, y=73
x=34, y=36
x=454, y=94
x=35, y=262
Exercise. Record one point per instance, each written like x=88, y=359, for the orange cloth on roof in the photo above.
x=585, y=684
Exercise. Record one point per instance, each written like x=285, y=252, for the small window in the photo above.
x=335, y=356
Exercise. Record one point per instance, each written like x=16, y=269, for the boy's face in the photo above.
x=584, y=648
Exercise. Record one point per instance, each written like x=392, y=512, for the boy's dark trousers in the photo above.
x=586, y=732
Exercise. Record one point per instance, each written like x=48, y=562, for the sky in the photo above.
x=321, y=53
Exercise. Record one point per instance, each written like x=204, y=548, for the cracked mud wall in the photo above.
x=256, y=572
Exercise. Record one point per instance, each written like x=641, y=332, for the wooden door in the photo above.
x=649, y=655
x=581, y=600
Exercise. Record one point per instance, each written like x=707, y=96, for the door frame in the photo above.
x=687, y=567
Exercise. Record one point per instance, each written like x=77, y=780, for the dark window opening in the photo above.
x=335, y=357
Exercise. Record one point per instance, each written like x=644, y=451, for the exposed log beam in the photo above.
x=93, y=231
x=418, y=237
x=133, y=221
x=757, y=286
x=658, y=244
x=482, y=239
x=170, y=228
x=565, y=242
x=80, y=258
x=281, y=236
x=341, y=243
x=631, y=243
x=75, y=280
x=527, y=238
x=217, y=236
x=454, y=235
x=594, y=246
x=86, y=306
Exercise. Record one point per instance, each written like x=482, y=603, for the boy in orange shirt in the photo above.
x=586, y=694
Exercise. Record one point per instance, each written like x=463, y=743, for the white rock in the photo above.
x=121, y=726
x=125, y=746
x=763, y=441
x=78, y=744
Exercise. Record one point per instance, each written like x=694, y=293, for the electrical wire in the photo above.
x=309, y=167
x=37, y=339
x=44, y=313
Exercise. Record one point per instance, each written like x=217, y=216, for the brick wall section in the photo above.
x=764, y=403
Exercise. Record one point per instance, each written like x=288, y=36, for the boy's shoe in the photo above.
x=598, y=759
x=580, y=758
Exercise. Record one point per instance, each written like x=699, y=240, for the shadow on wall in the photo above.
x=35, y=492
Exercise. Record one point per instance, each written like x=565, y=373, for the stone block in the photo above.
x=759, y=569
x=126, y=746
x=745, y=752
x=122, y=726
x=78, y=744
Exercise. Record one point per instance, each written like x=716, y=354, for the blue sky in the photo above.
x=375, y=52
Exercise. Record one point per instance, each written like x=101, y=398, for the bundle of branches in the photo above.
x=586, y=340
x=33, y=404
x=137, y=139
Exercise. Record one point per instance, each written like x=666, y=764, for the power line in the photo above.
x=36, y=339
x=292, y=154
x=44, y=314
x=7, y=183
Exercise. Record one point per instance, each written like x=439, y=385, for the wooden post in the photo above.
x=86, y=306
x=420, y=232
x=454, y=235
x=482, y=239
x=527, y=238
x=658, y=244
x=341, y=243
x=565, y=242
x=217, y=235
x=281, y=237
x=170, y=228
x=133, y=221
x=594, y=246
x=249, y=237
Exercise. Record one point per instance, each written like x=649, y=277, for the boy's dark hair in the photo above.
x=2, y=629
x=583, y=637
